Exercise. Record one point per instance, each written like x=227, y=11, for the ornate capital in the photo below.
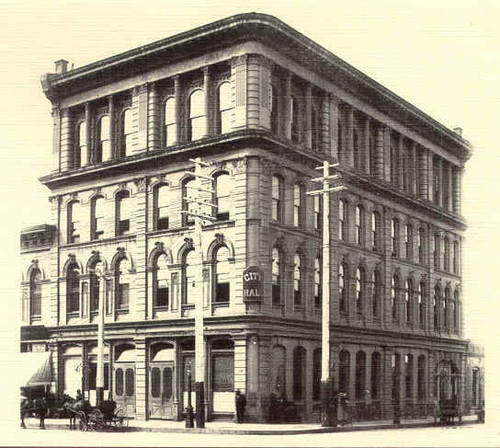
x=141, y=184
x=240, y=165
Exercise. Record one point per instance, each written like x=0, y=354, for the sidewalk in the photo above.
x=219, y=427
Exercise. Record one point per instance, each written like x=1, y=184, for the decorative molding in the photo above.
x=240, y=165
x=141, y=184
x=189, y=243
x=219, y=237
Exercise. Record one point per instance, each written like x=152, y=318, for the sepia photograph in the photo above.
x=249, y=224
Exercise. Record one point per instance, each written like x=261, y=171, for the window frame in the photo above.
x=122, y=226
x=97, y=232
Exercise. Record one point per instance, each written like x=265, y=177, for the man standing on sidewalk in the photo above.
x=240, y=402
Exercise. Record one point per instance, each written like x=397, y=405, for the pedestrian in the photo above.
x=241, y=402
x=79, y=396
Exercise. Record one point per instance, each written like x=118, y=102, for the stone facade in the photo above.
x=264, y=120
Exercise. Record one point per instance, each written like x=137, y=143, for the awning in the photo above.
x=37, y=369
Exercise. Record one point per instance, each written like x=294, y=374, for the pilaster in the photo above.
x=239, y=73
x=154, y=119
x=141, y=389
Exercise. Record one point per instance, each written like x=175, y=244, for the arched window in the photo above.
x=421, y=304
x=446, y=259
x=409, y=376
x=187, y=206
x=318, y=217
x=360, y=380
x=295, y=119
x=343, y=288
x=316, y=386
x=35, y=294
x=356, y=150
x=169, y=122
x=297, y=281
x=122, y=285
x=103, y=149
x=197, y=120
x=74, y=222
x=446, y=304
x=455, y=315
x=376, y=375
x=73, y=289
x=161, y=283
x=277, y=195
x=317, y=283
x=437, y=248
x=344, y=367
x=376, y=231
x=395, y=237
x=360, y=289
x=421, y=378
x=394, y=296
x=94, y=291
x=377, y=292
x=360, y=225
x=421, y=246
x=162, y=200
x=299, y=372
x=455, y=257
x=189, y=277
x=223, y=187
x=342, y=220
x=80, y=157
x=276, y=276
x=224, y=108
x=408, y=300
x=222, y=275
x=409, y=241
x=123, y=213
x=297, y=205
x=436, y=304
x=127, y=133
x=97, y=213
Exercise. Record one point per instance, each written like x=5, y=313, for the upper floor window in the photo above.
x=122, y=285
x=123, y=213
x=437, y=181
x=222, y=274
x=223, y=192
x=94, y=291
x=358, y=163
x=161, y=283
x=395, y=237
x=455, y=257
x=97, y=213
x=377, y=292
x=405, y=170
x=455, y=315
x=437, y=300
x=35, y=293
x=224, y=108
x=343, y=220
x=73, y=288
x=297, y=205
x=408, y=300
x=81, y=153
x=187, y=204
x=360, y=289
x=394, y=164
x=276, y=198
x=445, y=304
x=295, y=111
x=343, y=288
x=394, y=296
x=409, y=241
x=372, y=153
x=162, y=200
x=103, y=149
x=318, y=217
x=274, y=108
x=317, y=283
x=127, y=132
x=421, y=304
x=197, y=120
x=297, y=276
x=340, y=139
x=276, y=276
x=446, y=254
x=74, y=222
x=315, y=126
x=360, y=224
x=421, y=246
x=437, y=250
x=169, y=122
x=376, y=231
x=190, y=277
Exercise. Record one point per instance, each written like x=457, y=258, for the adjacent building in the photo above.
x=264, y=106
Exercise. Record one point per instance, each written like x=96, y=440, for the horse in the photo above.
x=36, y=406
x=75, y=408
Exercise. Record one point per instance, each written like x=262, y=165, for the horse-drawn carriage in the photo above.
x=94, y=418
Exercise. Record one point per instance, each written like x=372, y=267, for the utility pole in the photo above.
x=199, y=215
x=328, y=417
x=99, y=273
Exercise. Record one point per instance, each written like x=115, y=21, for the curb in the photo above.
x=319, y=430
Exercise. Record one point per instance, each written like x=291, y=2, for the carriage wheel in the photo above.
x=120, y=418
x=96, y=418
x=83, y=423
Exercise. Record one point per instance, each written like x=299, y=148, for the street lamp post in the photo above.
x=189, y=407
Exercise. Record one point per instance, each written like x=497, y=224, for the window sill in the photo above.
x=122, y=311
x=188, y=306
x=104, y=240
x=158, y=309
x=220, y=304
x=73, y=314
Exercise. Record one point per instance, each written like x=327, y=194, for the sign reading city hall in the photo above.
x=252, y=284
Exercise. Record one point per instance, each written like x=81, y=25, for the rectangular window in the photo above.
x=223, y=372
x=297, y=205
x=276, y=198
x=123, y=296
x=317, y=213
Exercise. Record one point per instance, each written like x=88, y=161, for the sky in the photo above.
x=441, y=55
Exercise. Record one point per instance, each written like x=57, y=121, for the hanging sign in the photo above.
x=253, y=279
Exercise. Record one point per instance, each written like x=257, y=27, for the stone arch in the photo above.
x=158, y=250
x=72, y=259
x=95, y=258
x=34, y=265
x=220, y=240
x=121, y=253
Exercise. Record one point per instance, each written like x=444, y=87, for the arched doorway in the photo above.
x=447, y=382
x=162, y=381
x=124, y=378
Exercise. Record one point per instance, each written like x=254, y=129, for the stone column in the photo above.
x=239, y=73
x=387, y=154
x=349, y=153
x=413, y=170
x=112, y=133
x=387, y=383
x=334, y=131
x=402, y=172
x=423, y=175
x=56, y=139
x=430, y=177
x=154, y=119
x=326, y=143
x=449, y=178
x=266, y=69
x=366, y=145
x=179, y=121
x=141, y=390
x=440, y=183
x=352, y=375
x=287, y=106
x=90, y=147
x=379, y=154
x=251, y=388
x=208, y=101
x=66, y=160
x=308, y=117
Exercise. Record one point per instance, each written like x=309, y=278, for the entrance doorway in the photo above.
x=124, y=379
x=162, y=382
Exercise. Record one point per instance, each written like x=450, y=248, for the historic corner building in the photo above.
x=264, y=106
